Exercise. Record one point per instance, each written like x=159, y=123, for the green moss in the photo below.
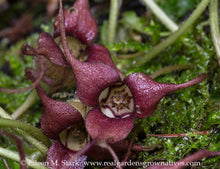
x=15, y=77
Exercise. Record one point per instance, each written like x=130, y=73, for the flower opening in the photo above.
x=74, y=137
x=117, y=101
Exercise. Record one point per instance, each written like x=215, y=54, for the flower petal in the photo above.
x=60, y=157
x=147, y=92
x=92, y=79
x=48, y=47
x=75, y=137
x=61, y=76
x=56, y=115
x=112, y=130
x=50, y=54
x=79, y=22
x=100, y=53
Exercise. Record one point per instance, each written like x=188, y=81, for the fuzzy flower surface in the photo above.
x=114, y=100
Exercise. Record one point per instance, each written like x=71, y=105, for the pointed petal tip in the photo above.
x=50, y=50
x=196, y=80
x=147, y=92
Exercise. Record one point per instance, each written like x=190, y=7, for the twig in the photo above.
x=67, y=52
x=103, y=144
x=115, y=157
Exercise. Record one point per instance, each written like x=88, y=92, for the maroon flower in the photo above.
x=64, y=123
x=136, y=96
x=79, y=22
x=58, y=73
x=58, y=156
x=116, y=100
x=113, y=100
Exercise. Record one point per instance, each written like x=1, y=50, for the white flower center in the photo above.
x=74, y=138
x=117, y=101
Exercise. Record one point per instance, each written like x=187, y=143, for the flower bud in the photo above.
x=79, y=22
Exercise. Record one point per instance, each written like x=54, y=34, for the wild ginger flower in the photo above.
x=58, y=74
x=115, y=100
x=64, y=123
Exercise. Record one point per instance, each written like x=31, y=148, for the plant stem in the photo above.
x=114, y=155
x=24, y=126
x=113, y=17
x=28, y=102
x=132, y=141
x=33, y=141
x=213, y=13
x=127, y=56
x=169, y=69
x=103, y=144
x=3, y=114
x=15, y=156
x=5, y=162
x=161, y=15
x=19, y=146
x=172, y=38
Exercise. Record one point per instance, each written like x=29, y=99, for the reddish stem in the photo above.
x=5, y=162
x=132, y=141
x=67, y=52
x=136, y=147
x=211, y=139
x=174, y=87
x=179, y=135
x=104, y=144
x=19, y=146
x=115, y=157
